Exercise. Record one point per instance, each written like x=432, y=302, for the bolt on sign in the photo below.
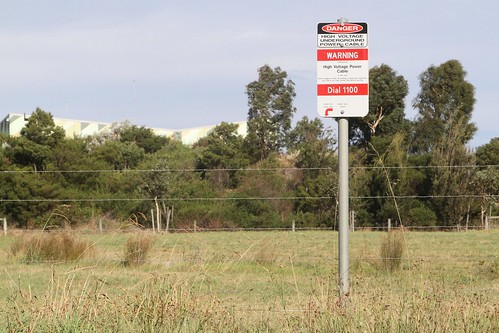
x=342, y=70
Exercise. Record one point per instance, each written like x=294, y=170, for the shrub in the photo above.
x=136, y=249
x=392, y=250
x=422, y=216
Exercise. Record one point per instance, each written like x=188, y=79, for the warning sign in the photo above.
x=342, y=70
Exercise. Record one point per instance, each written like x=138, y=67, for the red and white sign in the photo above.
x=342, y=70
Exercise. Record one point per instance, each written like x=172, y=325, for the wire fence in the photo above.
x=90, y=197
x=416, y=167
x=292, y=198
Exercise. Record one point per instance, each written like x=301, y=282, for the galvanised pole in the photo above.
x=343, y=257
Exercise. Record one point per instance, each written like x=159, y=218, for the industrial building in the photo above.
x=13, y=123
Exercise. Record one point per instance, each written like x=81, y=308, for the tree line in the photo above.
x=418, y=172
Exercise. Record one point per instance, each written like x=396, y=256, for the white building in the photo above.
x=13, y=123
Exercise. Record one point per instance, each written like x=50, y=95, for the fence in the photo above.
x=161, y=212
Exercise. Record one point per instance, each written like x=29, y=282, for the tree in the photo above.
x=313, y=149
x=488, y=154
x=170, y=177
x=445, y=105
x=486, y=180
x=223, y=151
x=486, y=183
x=270, y=101
x=387, y=91
x=271, y=184
x=446, y=100
x=3, y=144
x=38, y=139
x=120, y=155
x=313, y=144
x=449, y=181
x=28, y=198
x=114, y=133
x=42, y=130
x=143, y=137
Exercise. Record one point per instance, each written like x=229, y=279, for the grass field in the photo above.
x=255, y=282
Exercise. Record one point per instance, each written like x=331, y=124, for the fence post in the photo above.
x=195, y=225
x=486, y=222
x=352, y=220
x=158, y=214
x=293, y=226
x=152, y=217
x=167, y=219
x=171, y=213
x=389, y=224
x=100, y=225
x=5, y=226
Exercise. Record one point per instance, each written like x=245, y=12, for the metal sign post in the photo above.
x=342, y=92
x=343, y=189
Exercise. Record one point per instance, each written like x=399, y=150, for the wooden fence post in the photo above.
x=389, y=224
x=352, y=220
x=168, y=213
x=158, y=214
x=5, y=226
x=169, y=216
x=152, y=217
x=171, y=213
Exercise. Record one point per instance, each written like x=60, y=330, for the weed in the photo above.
x=392, y=250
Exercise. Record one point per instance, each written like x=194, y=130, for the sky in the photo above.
x=186, y=63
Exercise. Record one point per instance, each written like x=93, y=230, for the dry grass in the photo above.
x=136, y=249
x=259, y=282
x=51, y=246
x=392, y=250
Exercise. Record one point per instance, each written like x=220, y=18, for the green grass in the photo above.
x=257, y=282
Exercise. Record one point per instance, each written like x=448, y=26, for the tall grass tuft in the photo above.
x=136, y=249
x=53, y=246
x=392, y=250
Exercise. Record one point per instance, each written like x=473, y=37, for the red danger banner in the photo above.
x=339, y=55
x=342, y=89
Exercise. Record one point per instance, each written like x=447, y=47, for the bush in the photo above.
x=392, y=250
x=422, y=216
x=136, y=249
